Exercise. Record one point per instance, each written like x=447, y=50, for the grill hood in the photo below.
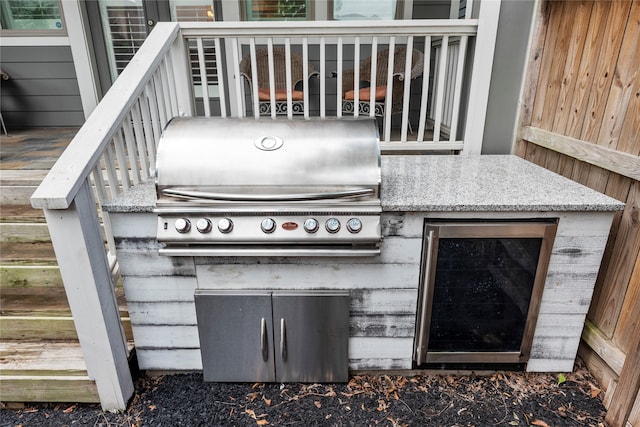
x=267, y=159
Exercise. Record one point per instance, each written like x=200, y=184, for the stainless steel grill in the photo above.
x=255, y=187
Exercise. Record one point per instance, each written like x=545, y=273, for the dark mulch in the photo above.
x=502, y=398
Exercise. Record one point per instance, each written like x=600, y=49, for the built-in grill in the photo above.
x=264, y=187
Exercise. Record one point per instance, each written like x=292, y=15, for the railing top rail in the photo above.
x=451, y=27
x=61, y=184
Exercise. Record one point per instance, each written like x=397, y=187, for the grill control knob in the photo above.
x=268, y=225
x=332, y=225
x=182, y=225
x=204, y=225
x=225, y=225
x=354, y=225
x=311, y=225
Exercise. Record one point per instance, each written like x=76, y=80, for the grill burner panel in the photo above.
x=314, y=192
x=287, y=229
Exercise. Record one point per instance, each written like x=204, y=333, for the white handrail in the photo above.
x=397, y=28
x=64, y=179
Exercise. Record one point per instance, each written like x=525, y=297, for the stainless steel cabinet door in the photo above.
x=311, y=333
x=235, y=335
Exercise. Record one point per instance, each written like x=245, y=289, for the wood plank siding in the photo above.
x=42, y=90
x=383, y=290
x=580, y=117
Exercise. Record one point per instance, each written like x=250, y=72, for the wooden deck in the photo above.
x=40, y=356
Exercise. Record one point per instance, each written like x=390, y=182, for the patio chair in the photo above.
x=4, y=76
x=382, y=62
x=280, y=80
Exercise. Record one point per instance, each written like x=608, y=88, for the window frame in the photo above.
x=245, y=15
x=399, y=12
x=53, y=32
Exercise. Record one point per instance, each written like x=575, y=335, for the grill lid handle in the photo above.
x=238, y=197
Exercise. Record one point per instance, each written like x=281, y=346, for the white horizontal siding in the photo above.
x=364, y=353
x=573, y=268
x=301, y=276
x=383, y=289
x=381, y=348
x=572, y=325
x=169, y=336
x=551, y=365
x=181, y=359
x=159, y=289
x=148, y=263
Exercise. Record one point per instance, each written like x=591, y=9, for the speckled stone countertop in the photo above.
x=414, y=183
x=481, y=184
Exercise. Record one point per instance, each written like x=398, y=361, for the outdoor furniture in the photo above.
x=4, y=76
x=279, y=79
x=382, y=66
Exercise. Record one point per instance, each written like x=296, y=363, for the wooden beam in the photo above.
x=29, y=276
x=56, y=388
x=614, y=161
x=603, y=347
x=40, y=328
x=628, y=386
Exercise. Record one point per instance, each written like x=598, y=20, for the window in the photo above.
x=277, y=10
x=199, y=11
x=31, y=15
x=364, y=9
x=192, y=10
x=124, y=29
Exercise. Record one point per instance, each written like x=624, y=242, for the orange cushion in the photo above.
x=281, y=94
x=363, y=94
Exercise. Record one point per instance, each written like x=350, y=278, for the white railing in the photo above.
x=115, y=149
x=413, y=122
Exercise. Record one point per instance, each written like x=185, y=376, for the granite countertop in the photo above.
x=481, y=184
x=414, y=183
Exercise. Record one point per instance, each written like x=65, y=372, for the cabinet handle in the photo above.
x=422, y=342
x=264, y=345
x=283, y=340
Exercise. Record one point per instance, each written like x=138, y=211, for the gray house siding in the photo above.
x=42, y=90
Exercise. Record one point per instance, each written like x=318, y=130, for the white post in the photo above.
x=182, y=74
x=481, y=76
x=80, y=51
x=79, y=246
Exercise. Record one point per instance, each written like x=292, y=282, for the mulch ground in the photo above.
x=498, y=399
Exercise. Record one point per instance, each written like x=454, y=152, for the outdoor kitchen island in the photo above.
x=385, y=291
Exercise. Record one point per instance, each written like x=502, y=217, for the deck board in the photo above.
x=44, y=301
x=40, y=356
x=27, y=253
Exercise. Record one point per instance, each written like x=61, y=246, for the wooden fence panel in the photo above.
x=582, y=92
x=631, y=310
x=574, y=37
x=544, y=100
x=604, y=78
x=586, y=74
